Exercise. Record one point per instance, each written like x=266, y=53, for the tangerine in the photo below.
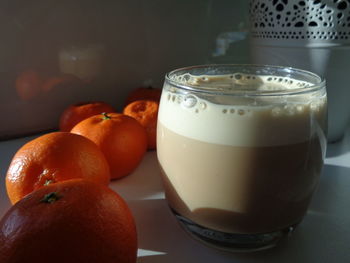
x=121, y=138
x=52, y=158
x=71, y=221
x=146, y=113
x=80, y=111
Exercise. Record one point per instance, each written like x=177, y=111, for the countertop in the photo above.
x=323, y=236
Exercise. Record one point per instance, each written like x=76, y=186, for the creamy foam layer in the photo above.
x=240, y=80
x=263, y=121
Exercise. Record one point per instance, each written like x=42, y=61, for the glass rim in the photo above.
x=319, y=85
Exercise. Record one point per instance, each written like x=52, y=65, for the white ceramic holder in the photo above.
x=310, y=34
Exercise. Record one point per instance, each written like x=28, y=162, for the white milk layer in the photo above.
x=263, y=121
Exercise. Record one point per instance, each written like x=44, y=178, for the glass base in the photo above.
x=233, y=242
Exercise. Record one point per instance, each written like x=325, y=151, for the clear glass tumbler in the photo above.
x=241, y=148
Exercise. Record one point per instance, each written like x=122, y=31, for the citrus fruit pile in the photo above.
x=52, y=158
x=63, y=210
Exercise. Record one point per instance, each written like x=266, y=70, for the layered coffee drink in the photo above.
x=241, y=153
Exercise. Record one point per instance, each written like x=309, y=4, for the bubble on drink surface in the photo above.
x=202, y=105
x=173, y=98
x=179, y=99
x=172, y=89
x=314, y=106
x=289, y=109
x=300, y=108
x=238, y=76
x=232, y=111
x=169, y=96
x=276, y=111
x=196, y=111
x=224, y=111
x=241, y=112
x=189, y=101
x=302, y=84
x=183, y=78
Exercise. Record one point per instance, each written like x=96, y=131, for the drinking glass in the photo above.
x=241, y=149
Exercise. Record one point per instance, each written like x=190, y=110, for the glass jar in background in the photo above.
x=241, y=148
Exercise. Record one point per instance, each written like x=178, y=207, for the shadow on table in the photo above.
x=337, y=149
x=4, y=201
x=143, y=183
x=340, y=147
x=160, y=234
x=332, y=195
x=323, y=236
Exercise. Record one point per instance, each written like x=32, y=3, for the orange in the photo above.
x=146, y=113
x=78, y=112
x=121, y=138
x=52, y=158
x=28, y=84
x=144, y=93
x=71, y=221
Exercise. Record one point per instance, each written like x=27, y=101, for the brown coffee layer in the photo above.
x=239, y=189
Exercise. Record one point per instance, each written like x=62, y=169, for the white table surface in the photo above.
x=323, y=236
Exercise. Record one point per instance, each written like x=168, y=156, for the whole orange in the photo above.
x=144, y=93
x=121, y=138
x=146, y=113
x=52, y=158
x=28, y=84
x=78, y=112
x=71, y=221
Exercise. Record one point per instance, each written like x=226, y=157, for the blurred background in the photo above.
x=54, y=53
x=57, y=52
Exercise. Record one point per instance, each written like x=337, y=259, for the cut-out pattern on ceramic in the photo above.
x=318, y=20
